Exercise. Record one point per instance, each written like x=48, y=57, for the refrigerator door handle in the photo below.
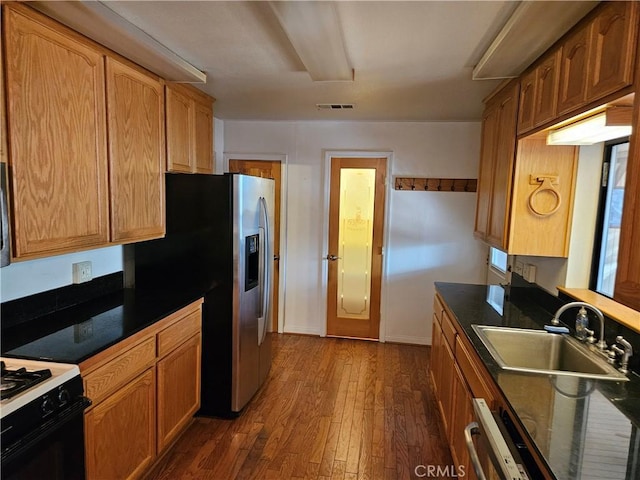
x=265, y=290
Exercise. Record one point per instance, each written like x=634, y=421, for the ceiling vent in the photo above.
x=334, y=106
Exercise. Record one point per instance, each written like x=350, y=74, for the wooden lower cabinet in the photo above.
x=462, y=415
x=144, y=390
x=122, y=431
x=445, y=397
x=176, y=406
x=457, y=378
x=436, y=355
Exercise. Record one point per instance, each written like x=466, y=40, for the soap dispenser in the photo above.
x=582, y=324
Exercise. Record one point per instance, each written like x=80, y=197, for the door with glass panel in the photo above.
x=356, y=224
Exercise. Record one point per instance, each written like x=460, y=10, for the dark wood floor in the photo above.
x=330, y=409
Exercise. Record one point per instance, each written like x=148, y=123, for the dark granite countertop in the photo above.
x=582, y=428
x=76, y=333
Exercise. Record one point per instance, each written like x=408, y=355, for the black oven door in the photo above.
x=54, y=451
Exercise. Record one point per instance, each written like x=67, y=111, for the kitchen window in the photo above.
x=605, y=259
x=498, y=260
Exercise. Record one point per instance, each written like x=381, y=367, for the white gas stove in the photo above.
x=26, y=381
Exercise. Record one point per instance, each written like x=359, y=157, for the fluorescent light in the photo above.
x=313, y=28
x=587, y=132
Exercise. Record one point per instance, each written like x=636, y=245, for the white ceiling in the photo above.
x=413, y=60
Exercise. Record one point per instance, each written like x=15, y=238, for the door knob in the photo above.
x=333, y=258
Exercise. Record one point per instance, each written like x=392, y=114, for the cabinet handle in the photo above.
x=546, y=184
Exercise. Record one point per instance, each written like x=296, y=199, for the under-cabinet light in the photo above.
x=588, y=131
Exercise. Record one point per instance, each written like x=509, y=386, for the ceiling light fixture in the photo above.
x=594, y=129
x=313, y=28
x=98, y=22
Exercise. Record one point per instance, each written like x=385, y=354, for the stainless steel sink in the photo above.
x=538, y=351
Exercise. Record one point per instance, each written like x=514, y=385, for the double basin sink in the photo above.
x=538, y=351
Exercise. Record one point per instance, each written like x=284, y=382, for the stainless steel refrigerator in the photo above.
x=219, y=242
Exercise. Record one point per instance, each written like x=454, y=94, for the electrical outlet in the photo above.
x=519, y=268
x=529, y=273
x=82, y=272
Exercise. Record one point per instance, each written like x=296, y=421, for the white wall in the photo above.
x=575, y=271
x=430, y=233
x=21, y=279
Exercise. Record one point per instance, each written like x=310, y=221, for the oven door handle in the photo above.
x=469, y=431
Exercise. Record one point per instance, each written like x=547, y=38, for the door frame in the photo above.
x=283, y=159
x=328, y=155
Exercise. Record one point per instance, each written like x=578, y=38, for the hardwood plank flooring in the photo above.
x=331, y=409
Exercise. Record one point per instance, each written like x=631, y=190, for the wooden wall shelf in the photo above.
x=436, y=184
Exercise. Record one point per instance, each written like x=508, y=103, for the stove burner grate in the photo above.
x=17, y=381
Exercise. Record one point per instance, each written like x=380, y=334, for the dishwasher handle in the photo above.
x=469, y=431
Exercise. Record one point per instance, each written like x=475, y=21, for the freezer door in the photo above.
x=253, y=247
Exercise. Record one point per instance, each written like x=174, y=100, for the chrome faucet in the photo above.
x=556, y=319
x=625, y=354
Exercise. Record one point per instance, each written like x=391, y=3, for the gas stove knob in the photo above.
x=63, y=396
x=47, y=406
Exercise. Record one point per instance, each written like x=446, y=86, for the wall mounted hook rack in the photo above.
x=436, y=184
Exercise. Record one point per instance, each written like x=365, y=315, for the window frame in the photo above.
x=600, y=217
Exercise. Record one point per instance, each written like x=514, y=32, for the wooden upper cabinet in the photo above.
x=527, y=99
x=546, y=93
x=135, y=106
x=496, y=165
x=57, y=124
x=203, y=138
x=180, y=126
x=574, y=62
x=539, y=93
x=627, y=288
x=503, y=168
x=485, y=176
x=612, y=43
x=189, y=115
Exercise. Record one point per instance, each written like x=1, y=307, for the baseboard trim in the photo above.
x=408, y=339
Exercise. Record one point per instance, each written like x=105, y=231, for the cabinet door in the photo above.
x=176, y=406
x=574, y=62
x=503, y=169
x=461, y=416
x=135, y=108
x=546, y=96
x=445, y=398
x=120, y=432
x=203, y=138
x=435, y=362
x=612, y=49
x=57, y=137
x=485, y=175
x=179, y=130
x=527, y=99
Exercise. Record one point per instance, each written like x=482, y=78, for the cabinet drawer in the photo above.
x=472, y=374
x=113, y=374
x=449, y=331
x=172, y=336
